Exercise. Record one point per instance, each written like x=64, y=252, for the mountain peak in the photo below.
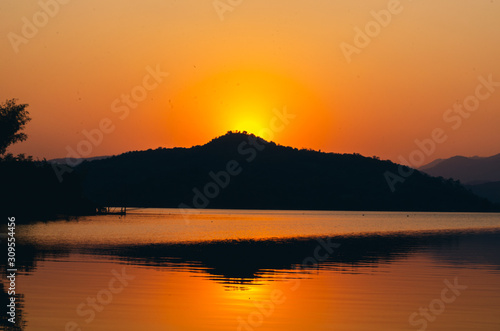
x=466, y=169
x=235, y=135
x=234, y=138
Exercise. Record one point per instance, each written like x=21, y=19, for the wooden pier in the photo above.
x=111, y=211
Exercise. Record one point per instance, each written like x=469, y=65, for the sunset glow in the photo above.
x=270, y=165
x=231, y=72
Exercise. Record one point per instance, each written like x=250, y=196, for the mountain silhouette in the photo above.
x=479, y=174
x=242, y=171
x=469, y=170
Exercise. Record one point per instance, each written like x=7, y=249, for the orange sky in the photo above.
x=75, y=63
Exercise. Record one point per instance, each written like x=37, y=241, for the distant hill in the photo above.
x=469, y=170
x=479, y=174
x=431, y=165
x=80, y=160
x=238, y=171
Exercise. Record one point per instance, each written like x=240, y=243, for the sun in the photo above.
x=248, y=125
x=246, y=100
x=249, y=116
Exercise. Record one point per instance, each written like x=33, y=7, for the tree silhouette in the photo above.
x=13, y=118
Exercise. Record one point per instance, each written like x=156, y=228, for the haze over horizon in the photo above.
x=170, y=74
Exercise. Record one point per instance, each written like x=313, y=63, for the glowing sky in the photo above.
x=194, y=71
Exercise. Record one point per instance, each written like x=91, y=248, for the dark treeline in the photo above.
x=31, y=191
x=489, y=190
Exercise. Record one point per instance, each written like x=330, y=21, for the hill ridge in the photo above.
x=242, y=171
x=469, y=170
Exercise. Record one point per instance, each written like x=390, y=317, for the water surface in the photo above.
x=163, y=269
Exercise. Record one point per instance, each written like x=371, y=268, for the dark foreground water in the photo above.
x=160, y=269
